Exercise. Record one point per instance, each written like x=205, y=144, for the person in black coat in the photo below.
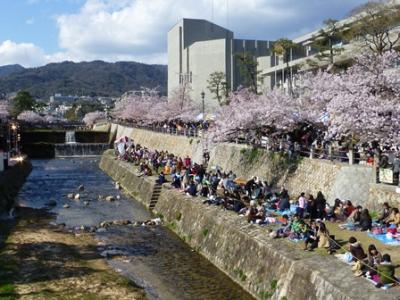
x=320, y=205
x=365, y=220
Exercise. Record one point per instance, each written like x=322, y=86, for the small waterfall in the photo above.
x=72, y=148
x=79, y=149
x=70, y=137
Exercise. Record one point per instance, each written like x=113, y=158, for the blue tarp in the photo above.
x=383, y=239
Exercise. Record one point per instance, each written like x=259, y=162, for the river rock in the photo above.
x=117, y=186
x=77, y=196
x=81, y=188
x=86, y=203
x=70, y=196
x=105, y=224
x=100, y=197
x=122, y=222
x=110, y=198
x=66, y=206
x=118, y=197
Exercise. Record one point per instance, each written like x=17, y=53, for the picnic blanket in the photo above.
x=289, y=212
x=383, y=238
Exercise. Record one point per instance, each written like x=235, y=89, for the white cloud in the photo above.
x=114, y=30
x=26, y=54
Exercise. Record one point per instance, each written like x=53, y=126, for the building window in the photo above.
x=185, y=78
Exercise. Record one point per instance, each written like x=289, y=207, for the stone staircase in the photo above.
x=154, y=197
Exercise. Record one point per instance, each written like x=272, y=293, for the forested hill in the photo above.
x=95, y=78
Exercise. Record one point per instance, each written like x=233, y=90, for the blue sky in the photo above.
x=36, y=32
x=34, y=20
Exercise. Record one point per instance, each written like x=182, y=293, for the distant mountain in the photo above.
x=95, y=78
x=10, y=69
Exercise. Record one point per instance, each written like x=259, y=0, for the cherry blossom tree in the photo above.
x=361, y=103
x=91, y=118
x=150, y=108
x=50, y=119
x=248, y=112
x=29, y=116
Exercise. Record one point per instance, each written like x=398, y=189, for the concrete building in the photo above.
x=197, y=48
x=274, y=72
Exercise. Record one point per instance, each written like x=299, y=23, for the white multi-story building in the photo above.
x=198, y=48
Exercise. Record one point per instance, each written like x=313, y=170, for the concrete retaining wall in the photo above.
x=334, y=179
x=11, y=180
x=266, y=268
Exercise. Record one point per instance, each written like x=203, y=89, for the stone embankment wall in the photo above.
x=179, y=145
x=334, y=179
x=11, y=180
x=266, y=268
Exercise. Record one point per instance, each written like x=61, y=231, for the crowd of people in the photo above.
x=300, y=220
x=175, y=127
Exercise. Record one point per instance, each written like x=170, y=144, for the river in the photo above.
x=152, y=257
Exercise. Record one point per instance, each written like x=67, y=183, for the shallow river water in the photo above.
x=152, y=257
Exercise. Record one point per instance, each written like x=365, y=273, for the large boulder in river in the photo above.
x=77, y=196
x=81, y=188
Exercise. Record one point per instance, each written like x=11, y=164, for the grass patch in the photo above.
x=179, y=217
x=267, y=294
x=160, y=215
x=205, y=232
x=239, y=273
x=7, y=289
x=172, y=225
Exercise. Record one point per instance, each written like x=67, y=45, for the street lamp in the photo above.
x=202, y=102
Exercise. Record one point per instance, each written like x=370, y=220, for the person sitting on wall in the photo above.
x=191, y=190
x=365, y=220
x=161, y=178
x=358, y=255
x=302, y=205
x=250, y=186
x=251, y=213
x=320, y=204
x=385, y=212
x=311, y=241
x=386, y=271
x=176, y=180
x=394, y=218
x=353, y=220
x=337, y=211
x=348, y=208
x=284, y=203
x=374, y=259
x=284, y=230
